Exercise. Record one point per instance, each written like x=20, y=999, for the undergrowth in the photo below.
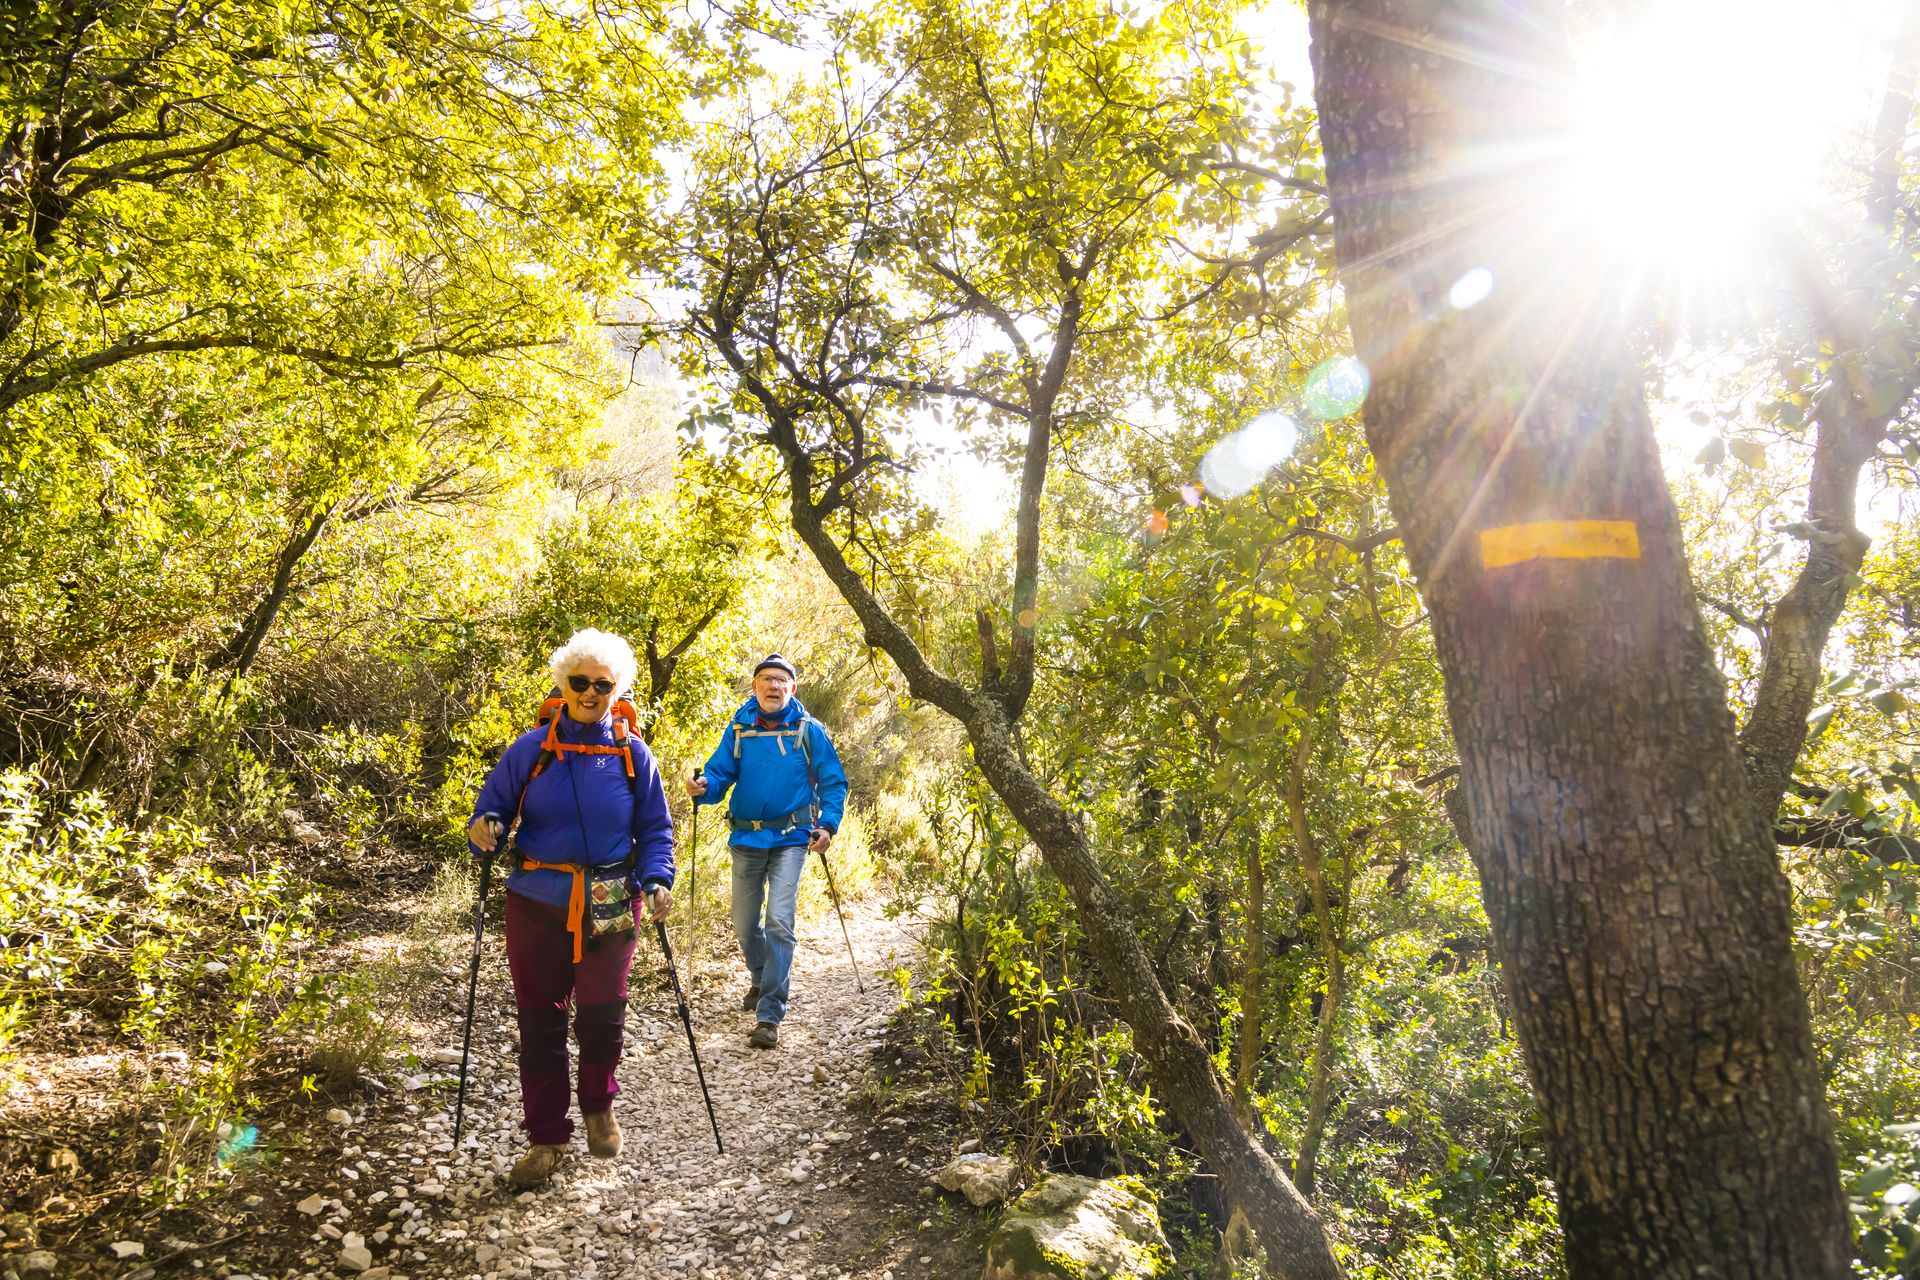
x=165, y=938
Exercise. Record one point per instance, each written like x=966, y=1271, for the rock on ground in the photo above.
x=982, y=1179
x=1073, y=1228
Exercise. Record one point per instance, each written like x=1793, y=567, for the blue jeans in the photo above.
x=770, y=877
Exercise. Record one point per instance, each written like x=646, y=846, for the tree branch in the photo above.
x=13, y=392
x=1270, y=175
x=1734, y=612
x=1359, y=546
x=929, y=387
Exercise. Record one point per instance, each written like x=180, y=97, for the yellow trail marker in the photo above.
x=1559, y=540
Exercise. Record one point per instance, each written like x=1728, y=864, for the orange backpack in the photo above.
x=626, y=726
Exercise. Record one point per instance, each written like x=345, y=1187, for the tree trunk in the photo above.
x=1296, y=1244
x=661, y=666
x=1640, y=916
x=1332, y=957
x=1252, y=982
x=239, y=652
x=1174, y=1051
x=1851, y=417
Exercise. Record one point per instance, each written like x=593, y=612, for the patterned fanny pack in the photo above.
x=610, y=904
x=600, y=906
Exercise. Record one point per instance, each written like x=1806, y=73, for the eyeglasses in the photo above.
x=580, y=684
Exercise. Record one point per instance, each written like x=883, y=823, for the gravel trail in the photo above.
x=406, y=1204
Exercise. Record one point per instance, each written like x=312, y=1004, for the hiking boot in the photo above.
x=750, y=1001
x=535, y=1167
x=766, y=1035
x=603, y=1135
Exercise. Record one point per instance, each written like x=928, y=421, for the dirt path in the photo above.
x=805, y=1189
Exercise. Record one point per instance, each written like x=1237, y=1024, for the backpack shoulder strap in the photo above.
x=540, y=763
x=806, y=753
x=627, y=739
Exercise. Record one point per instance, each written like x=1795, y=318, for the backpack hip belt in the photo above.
x=784, y=823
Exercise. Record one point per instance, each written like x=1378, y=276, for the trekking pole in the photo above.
x=686, y=1020
x=693, y=889
x=834, y=893
x=473, y=981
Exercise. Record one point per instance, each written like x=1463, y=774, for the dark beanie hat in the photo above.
x=776, y=661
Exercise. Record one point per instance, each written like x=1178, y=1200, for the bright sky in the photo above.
x=1719, y=133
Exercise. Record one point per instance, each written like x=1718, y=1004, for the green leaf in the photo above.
x=1750, y=452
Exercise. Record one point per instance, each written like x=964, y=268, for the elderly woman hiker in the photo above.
x=593, y=832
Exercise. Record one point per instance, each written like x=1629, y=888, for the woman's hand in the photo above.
x=660, y=901
x=484, y=834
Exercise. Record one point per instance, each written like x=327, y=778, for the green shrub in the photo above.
x=162, y=938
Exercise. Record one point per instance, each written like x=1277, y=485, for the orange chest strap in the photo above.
x=554, y=747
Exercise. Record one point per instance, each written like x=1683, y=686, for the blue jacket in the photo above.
x=770, y=778
x=581, y=797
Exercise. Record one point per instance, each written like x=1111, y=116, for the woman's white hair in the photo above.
x=596, y=646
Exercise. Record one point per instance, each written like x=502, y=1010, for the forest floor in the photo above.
x=830, y=1141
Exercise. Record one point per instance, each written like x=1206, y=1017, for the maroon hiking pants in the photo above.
x=540, y=956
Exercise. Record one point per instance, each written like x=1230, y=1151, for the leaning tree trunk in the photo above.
x=1182, y=1067
x=1252, y=982
x=1640, y=916
x=1172, y=1048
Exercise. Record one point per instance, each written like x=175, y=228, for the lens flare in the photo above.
x=1268, y=441
x=1237, y=463
x=1471, y=289
x=236, y=1141
x=1336, y=388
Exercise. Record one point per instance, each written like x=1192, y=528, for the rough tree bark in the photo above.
x=1639, y=913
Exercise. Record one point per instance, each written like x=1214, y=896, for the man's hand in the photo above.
x=484, y=834
x=821, y=839
x=697, y=785
x=659, y=902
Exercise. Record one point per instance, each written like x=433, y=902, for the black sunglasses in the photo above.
x=580, y=684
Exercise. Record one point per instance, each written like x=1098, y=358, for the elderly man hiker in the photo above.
x=788, y=794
